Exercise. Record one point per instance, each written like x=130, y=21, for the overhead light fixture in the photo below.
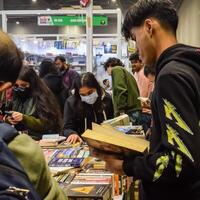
x=114, y=1
x=34, y=1
x=17, y=22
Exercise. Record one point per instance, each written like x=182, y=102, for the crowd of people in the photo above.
x=164, y=84
x=61, y=101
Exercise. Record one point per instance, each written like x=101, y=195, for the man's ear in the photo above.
x=148, y=26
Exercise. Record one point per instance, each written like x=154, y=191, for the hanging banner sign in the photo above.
x=71, y=21
x=84, y=3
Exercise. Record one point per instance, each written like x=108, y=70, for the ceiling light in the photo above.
x=113, y=0
x=17, y=22
x=34, y=0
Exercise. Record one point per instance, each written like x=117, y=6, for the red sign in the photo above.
x=84, y=2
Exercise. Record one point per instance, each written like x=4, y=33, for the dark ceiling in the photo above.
x=58, y=4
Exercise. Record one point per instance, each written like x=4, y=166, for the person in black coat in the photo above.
x=90, y=103
x=53, y=79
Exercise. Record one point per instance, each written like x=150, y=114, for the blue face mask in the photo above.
x=90, y=99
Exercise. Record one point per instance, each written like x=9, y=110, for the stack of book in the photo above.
x=51, y=140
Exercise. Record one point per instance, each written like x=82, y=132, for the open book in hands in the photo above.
x=106, y=139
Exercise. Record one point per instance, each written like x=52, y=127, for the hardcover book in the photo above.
x=107, y=139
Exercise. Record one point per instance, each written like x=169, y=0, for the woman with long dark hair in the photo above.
x=34, y=106
x=90, y=103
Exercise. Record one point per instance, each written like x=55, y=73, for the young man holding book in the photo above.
x=171, y=170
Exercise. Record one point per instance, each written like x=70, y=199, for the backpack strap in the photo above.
x=7, y=132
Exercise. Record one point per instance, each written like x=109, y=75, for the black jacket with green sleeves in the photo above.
x=171, y=170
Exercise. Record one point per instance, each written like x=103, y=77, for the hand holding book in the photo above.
x=110, y=141
x=114, y=164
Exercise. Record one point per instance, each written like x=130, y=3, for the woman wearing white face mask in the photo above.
x=90, y=103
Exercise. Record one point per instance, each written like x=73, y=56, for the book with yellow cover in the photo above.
x=107, y=139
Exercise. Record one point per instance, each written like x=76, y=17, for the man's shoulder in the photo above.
x=23, y=147
x=22, y=140
x=174, y=68
x=118, y=68
x=72, y=71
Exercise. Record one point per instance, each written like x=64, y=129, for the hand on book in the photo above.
x=72, y=139
x=113, y=164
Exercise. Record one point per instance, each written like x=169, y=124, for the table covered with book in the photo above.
x=82, y=176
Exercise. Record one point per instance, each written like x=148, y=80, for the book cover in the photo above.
x=131, y=130
x=100, y=192
x=110, y=140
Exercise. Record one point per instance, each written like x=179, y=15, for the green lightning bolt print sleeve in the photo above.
x=172, y=166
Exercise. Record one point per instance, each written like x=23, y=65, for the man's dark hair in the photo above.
x=47, y=66
x=61, y=58
x=163, y=10
x=10, y=59
x=112, y=62
x=134, y=57
x=149, y=70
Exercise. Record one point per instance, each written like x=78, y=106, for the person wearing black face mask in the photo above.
x=21, y=92
x=35, y=109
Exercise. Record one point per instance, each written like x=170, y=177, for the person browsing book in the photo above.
x=53, y=79
x=34, y=107
x=171, y=169
x=90, y=103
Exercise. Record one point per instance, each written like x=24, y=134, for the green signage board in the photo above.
x=71, y=20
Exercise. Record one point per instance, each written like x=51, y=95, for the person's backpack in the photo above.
x=14, y=182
